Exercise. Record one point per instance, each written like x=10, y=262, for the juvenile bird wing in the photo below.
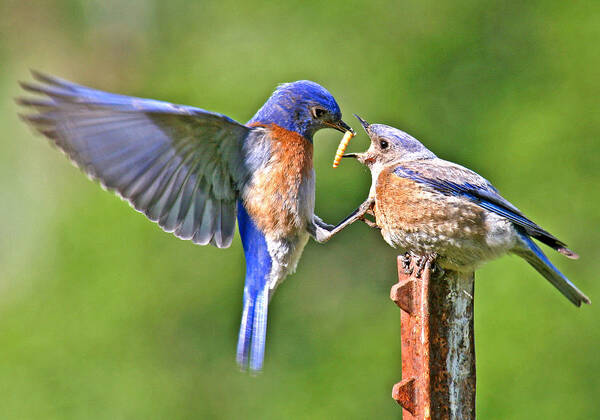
x=452, y=179
x=181, y=166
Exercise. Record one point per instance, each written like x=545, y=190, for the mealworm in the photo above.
x=342, y=148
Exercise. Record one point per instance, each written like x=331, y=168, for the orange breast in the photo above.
x=275, y=197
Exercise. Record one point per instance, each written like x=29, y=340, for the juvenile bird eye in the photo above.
x=318, y=112
x=383, y=144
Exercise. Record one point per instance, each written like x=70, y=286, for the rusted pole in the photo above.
x=438, y=346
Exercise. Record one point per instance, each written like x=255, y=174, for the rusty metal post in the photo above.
x=438, y=346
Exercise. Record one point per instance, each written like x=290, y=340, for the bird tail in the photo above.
x=253, y=329
x=538, y=260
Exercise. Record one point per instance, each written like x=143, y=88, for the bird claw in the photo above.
x=369, y=222
x=406, y=263
x=422, y=262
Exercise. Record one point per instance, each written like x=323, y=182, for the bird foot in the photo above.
x=370, y=223
x=406, y=263
x=422, y=262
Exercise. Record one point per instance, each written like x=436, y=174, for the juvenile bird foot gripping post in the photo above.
x=438, y=345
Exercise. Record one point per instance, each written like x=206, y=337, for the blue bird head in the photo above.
x=304, y=107
x=389, y=145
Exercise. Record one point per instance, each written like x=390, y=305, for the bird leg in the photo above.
x=369, y=222
x=320, y=231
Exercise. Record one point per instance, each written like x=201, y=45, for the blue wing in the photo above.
x=179, y=165
x=452, y=179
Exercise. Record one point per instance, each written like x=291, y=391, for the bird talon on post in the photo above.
x=420, y=265
x=406, y=263
x=430, y=263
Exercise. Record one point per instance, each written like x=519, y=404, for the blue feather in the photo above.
x=487, y=197
x=253, y=328
x=71, y=92
x=181, y=166
x=289, y=107
x=538, y=260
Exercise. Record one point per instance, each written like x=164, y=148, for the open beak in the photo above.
x=363, y=123
x=341, y=126
x=363, y=158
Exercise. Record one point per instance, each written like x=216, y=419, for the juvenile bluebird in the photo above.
x=432, y=207
x=195, y=172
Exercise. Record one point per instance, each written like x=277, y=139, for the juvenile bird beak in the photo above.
x=364, y=158
x=341, y=126
x=361, y=157
x=363, y=123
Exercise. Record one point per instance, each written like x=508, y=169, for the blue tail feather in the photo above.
x=245, y=335
x=259, y=330
x=538, y=260
x=253, y=328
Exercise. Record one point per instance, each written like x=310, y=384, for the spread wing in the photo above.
x=451, y=179
x=181, y=166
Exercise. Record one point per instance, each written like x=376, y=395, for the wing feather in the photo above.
x=181, y=166
x=452, y=179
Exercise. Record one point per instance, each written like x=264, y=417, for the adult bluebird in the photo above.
x=195, y=172
x=432, y=207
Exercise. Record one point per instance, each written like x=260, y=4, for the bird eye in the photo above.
x=383, y=144
x=318, y=113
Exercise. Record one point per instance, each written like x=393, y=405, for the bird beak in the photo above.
x=341, y=126
x=363, y=123
x=364, y=158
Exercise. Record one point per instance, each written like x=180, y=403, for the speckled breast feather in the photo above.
x=413, y=217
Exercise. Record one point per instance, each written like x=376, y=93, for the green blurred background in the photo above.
x=104, y=316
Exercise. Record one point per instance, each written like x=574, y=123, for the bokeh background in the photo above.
x=104, y=316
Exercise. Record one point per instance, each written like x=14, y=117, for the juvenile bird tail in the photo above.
x=536, y=258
